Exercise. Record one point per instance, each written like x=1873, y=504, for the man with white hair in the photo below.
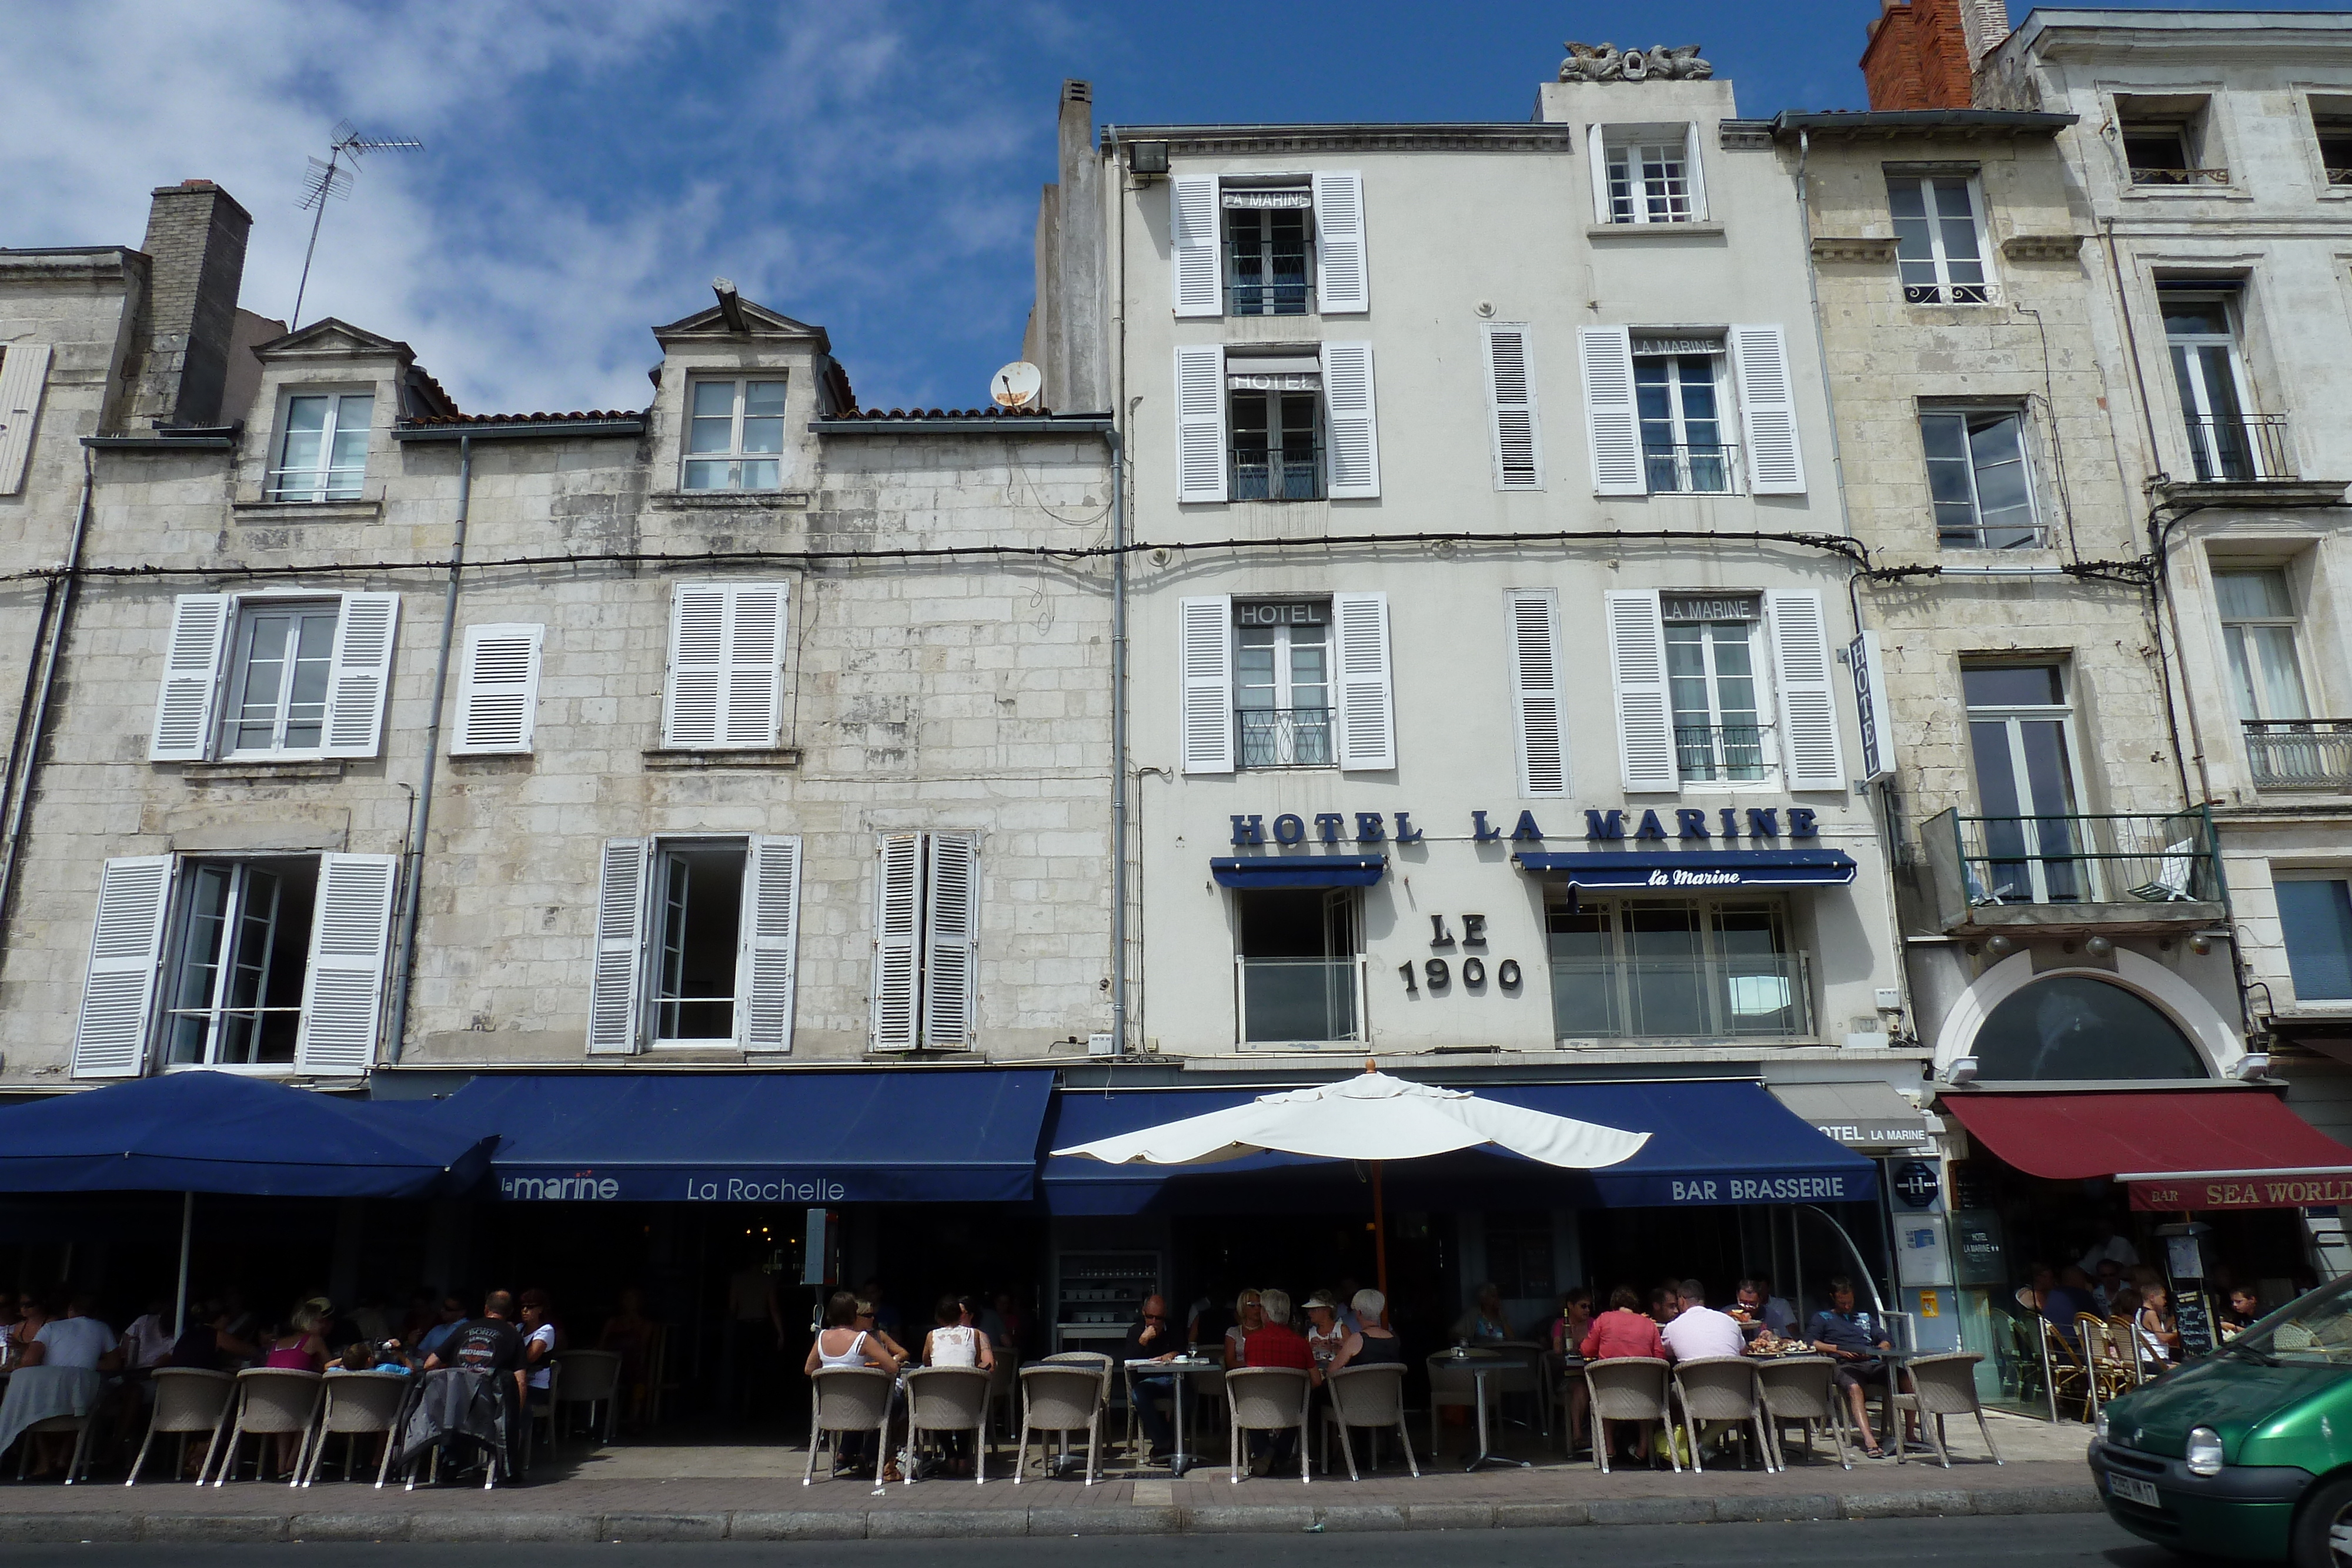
x=1275, y=1345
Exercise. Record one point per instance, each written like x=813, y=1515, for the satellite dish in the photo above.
x=1016, y=385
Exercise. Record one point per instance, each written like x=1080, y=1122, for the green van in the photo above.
x=2247, y=1453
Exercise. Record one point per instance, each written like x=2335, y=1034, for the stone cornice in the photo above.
x=1227, y=140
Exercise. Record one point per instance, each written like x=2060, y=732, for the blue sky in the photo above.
x=874, y=167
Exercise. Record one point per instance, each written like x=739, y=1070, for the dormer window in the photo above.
x=2166, y=139
x=323, y=453
x=734, y=434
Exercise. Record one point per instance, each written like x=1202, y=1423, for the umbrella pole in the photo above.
x=187, y=1234
x=1380, y=1232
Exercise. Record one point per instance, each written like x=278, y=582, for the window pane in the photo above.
x=702, y=914
x=763, y=400
x=2011, y=686
x=707, y=475
x=268, y=639
x=714, y=400
x=1310, y=676
x=1584, y=974
x=190, y=993
x=2317, y=918
x=763, y=420
x=306, y=708
x=2073, y=1027
x=760, y=473
x=353, y=412
x=2196, y=317
x=1254, y=673
x=2254, y=595
x=2272, y=652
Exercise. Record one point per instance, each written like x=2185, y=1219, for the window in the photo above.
x=2315, y=913
x=1299, y=977
x=1267, y=245
x=324, y=455
x=1938, y=239
x=2258, y=623
x=725, y=690
x=927, y=942
x=1282, y=683
x=697, y=941
x=2021, y=737
x=1694, y=969
x=2164, y=140
x=1646, y=174
x=2072, y=1028
x=1268, y=250
x=277, y=678
x=735, y=435
x=266, y=676
x=1277, y=424
x=1977, y=478
x=1711, y=680
x=2331, y=123
x=1678, y=394
x=2227, y=442
x=1657, y=411
x=1698, y=704
x=694, y=944
x=234, y=995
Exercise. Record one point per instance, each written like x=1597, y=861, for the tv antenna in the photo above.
x=333, y=178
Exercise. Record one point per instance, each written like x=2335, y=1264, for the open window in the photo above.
x=2229, y=440
x=1688, y=968
x=275, y=676
x=2167, y=138
x=1268, y=245
x=1282, y=682
x=2331, y=124
x=1295, y=682
x=1679, y=392
x=1659, y=405
x=1276, y=423
x=1299, y=966
x=696, y=939
x=1979, y=479
x=1721, y=689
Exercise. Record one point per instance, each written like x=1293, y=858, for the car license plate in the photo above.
x=2131, y=1491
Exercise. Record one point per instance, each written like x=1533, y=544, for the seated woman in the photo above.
x=848, y=1339
x=1484, y=1323
x=1625, y=1329
x=1568, y=1330
x=1373, y=1343
x=957, y=1340
x=1249, y=1316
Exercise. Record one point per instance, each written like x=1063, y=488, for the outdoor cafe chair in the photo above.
x=588, y=1377
x=1264, y=1399
x=1944, y=1385
x=948, y=1399
x=2063, y=1372
x=2106, y=1359
x=1064, y=1398
x=1369, y=1396
x=272, y=1400
x=187, y=1399
x=539, y=1405
x=1206, y=1388
x=1628, y=1388
x=1800, y=1390
x=357, y=1403
x=73, y=1388
x=1721, y=1388
x=844, y=1399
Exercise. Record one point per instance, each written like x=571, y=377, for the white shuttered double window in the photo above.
x=1201, y=235
x=1676, y=723
x=725, y=690
x=1361, y=712
x=1631, y=440
x=1315, y=436
x=696, y=943
x=275, y=675
x=926, y=941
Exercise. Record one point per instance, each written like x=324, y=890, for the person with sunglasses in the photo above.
x=848, y=1339
x=1149, y=1338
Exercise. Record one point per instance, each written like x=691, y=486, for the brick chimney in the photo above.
x=196, y=250
x=1923, y=54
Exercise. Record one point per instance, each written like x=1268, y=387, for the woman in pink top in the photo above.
x=299, y=1349
x=1625, y=1329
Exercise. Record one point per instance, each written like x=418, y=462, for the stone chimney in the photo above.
x=1923, y=54
x=196, y=250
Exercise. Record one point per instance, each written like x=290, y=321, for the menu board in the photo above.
x=2193, y=1315
x=1979, y=1255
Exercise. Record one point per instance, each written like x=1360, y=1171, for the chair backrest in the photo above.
x=364, y=1401
x=1717, y=1387
x=1368, y=1395
x=276, y=1398
x=1797, y=1387
x=1004, y=1374
x=1064, y=1398
x=588, y=1376
x=947, y=1398
x=2062, y=1353
x=850, y=1398
x=2097, y=1338
x=1627, y=1388
x=1947, y=1384
x=1103, y=1365
x=189, y=1399
x=1267, y=1397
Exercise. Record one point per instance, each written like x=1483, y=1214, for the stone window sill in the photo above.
x=306, y=511
x=764, y=758
x=1654, y=231
x=255, y=771
x=729, y=500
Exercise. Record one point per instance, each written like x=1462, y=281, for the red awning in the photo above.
x=2178, y=1149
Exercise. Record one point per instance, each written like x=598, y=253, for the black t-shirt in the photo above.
x=484, y=1345
x=1169, y=1340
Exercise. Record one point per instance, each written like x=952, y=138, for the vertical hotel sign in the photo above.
x=1862, y=659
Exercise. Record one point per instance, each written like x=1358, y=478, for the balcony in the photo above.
x=2301, y=753
x=2152, y=175
x=1720, y=753
x=1687, y=470
x=1684, y=996
x=1299, y=1001
x=2252, y=448
x=1284, y=737
x=1259, y=477
x=1951, y=294
x=2073, y=873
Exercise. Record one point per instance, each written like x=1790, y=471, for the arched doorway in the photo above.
x=2077, y=1028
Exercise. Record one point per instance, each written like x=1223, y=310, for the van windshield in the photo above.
x=2311, y=1330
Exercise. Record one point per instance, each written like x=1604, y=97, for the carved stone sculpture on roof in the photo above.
x=1606, y=62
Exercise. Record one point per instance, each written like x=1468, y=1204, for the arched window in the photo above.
x=2073, y=1027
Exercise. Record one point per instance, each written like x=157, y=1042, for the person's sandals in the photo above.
x=1874, y=1452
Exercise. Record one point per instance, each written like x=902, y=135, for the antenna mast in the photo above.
x=333, y=178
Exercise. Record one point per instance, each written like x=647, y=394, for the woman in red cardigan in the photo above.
x=1625, y=1329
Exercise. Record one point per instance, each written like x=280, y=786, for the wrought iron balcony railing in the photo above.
x=1720, y=753
x=2249, y=447
x=2085, y=860
x=1256, y=477
x=2148, y=175
x=2301, y=753
x=1284, y=737
x=1701, y=470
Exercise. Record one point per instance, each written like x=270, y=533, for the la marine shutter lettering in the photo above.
x=1637, y=668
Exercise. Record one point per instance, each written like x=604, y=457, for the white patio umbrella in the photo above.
x=1371, y=1117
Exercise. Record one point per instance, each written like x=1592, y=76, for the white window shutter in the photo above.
x=23, y=371
x=360, y=680
x=1637, y=668
x=126, y=943
x=1511, y=399
x=498, y=689
x=1201, y=422
x=755, y=665
x=1801, y=672
x=1343, y=283
x=1351, y=424
x=1535, y=690
x=1193, y=221
x=1767, y=410
x=191, y=661
x=772, y=919
x=693, y=700
x=613, y=986
x=1694, y=171
x=1597, y=154
x=898, y=935
x=950, y=941
x=1610, y=420
x=1205, y=654
x=350, y=933
x=1367, y=705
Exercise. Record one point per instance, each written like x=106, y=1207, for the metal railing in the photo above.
x=2301, y=753
x=2251, y=446
x=1299, y=1001
x=2340, y=174
x=1256, y=477
x=1703, y=470
x=1696, y=996
x=2148, y=175
x=1285, y=293
x=316, y=484
x=2125, y=860
x=1283, y=737
x=1951, y=294
x=1728, y=753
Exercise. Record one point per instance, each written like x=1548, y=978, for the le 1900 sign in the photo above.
x=1439, y=972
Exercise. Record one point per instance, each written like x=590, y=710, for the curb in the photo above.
x=954, y=1523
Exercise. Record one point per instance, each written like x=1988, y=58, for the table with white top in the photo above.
x=1181, y=1368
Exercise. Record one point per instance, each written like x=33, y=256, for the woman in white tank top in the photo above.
x=845, y=1341
x=957, y=1340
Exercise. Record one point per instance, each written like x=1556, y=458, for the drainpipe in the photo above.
x=421, y=814
x=33, y=713
x=1117, y=743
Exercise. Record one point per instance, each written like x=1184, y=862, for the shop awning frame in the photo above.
x=1621, y=871
x=1298, y=871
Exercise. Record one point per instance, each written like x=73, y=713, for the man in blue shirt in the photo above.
x=1853, y=1338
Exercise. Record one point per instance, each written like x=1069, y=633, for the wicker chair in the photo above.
x=589, y=1377
x=271, y=1400
x=1265, y=1399
x=357, y=1403
x=1065, y=1397
x=1800, y=1389
x=1944, y=1385
x=2107, y=1361
x=1626, y=1388
x=2063, y=1374
x=1370, y=1396
x=1721, y=1388
x=87, y=1390
x=188, y=1399
x=950, y=1399
x=844, y=1399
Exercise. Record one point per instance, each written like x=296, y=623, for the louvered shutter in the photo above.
x=1192, y=221
x=498, y=689
x=360, y=681
x=1205, y=654
x=1201, y=422
x=350, y=933
x=23, y=371
x=755, y=665
x=126, y=943
x=191, y=661
x=1535, y=689
x=1809, y=722
x=1767, y=410
x=614, y=1023
x=1343, y=283
x=1367, y=714
x=771, y=918
x=1611, y=420
x=1637, y=668
x=950, y=940
x=691, y=701
x=1695, y=170
x=1597, y=156
x=1511, y=400
x=898, y=935
x=1352, y=425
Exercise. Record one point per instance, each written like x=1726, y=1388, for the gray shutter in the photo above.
x=1611, y=423
x=1367, y=716
x=898, y=936
x=771, y=918
x=351, y=936
x=191, y=661
x=1198, y=277
x=694, y=697
x=1511, y=402
x=1201, y=422
x=1206, y=656
x=1767, y=410
x=1343, y=285
x=360, y=681
x=614, y=1023
x=1801, y=675
x=23, y=371
x=1535, y=693
x=1352, y=422
x=1637, y=668
x=754, y=660
x=498, y=689
x=1597, y=155
x=950, y=941
x=126, y=943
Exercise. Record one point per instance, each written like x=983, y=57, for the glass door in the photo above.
x=2212, y=383
x=2020, y=736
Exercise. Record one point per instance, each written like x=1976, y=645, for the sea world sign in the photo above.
x=635, y=1185
x=2252, y=1190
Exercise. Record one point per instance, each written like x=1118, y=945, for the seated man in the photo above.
x=1275, y=1343
x=1854, y=1339
x=1150, y=1338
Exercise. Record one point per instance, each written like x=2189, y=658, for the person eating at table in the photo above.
x=1150, y=1338
x=1755, y=1303
x=1697, y=1330
x=1854, y=1339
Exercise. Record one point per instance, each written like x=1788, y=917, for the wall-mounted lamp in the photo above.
x=2100, y=947
x=2254, y=1066
x=1146, y=159
x=1963, y=1070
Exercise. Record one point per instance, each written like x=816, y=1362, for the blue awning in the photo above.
x=1711, y=1142
x=1299, y=871
x=1627, y=870
x=797, y=1137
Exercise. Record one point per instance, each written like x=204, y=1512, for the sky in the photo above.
x=870, y=166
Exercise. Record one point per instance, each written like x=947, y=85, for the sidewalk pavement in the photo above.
x=679, y=1492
